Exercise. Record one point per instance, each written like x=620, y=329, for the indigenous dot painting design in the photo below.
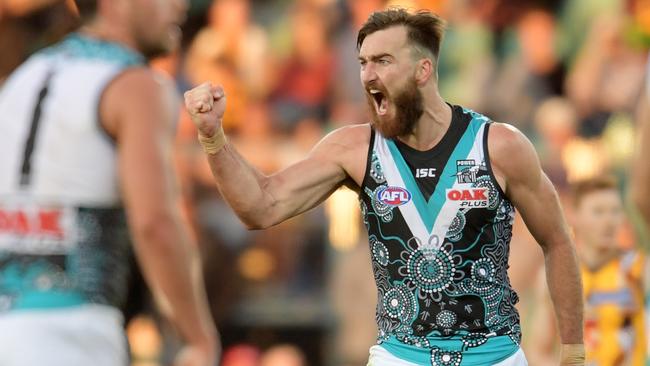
x=420, y=342
x=483, y=271
x=474, y=339
x=364, y=212
x=445, y=358
x=379, y=251
x=446, y=319
x=430, y=273
x=400, y=304
x=375, y=169
x=455, y=232
x=492, y=192
x=452, y=285
x=384, y=211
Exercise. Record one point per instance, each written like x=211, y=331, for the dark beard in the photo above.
x=408, y=110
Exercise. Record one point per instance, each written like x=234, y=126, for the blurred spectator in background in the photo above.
x=283, y=355
x=529, y=73
x=241, y=355
x=28, y=25
x=233, y=51
x=348, y=100
x=306, y=77
x=467, y=59
x=605, y=78
x=556, y=123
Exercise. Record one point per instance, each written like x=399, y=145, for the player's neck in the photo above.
x=595, y=257
x=432, y=126
x=101, y=30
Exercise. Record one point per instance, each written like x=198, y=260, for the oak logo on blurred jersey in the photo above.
x=24, y=222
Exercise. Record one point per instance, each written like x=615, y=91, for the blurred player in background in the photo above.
x=86, y=131
x=612, y=277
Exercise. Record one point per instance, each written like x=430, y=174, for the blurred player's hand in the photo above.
x=206, y=105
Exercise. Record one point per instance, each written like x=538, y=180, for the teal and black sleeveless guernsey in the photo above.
x=63, y=231
x=439, y=228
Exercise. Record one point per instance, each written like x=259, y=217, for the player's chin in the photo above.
x=386, y=126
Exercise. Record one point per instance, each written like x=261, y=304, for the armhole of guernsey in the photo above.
x=488, y=163
x=107, y=84
x=366, y=171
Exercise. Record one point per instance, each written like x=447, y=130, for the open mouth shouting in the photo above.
x=380, y=101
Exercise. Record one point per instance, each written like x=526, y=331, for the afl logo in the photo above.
x=393, y=196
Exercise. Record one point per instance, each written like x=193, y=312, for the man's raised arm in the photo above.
x=261, y=201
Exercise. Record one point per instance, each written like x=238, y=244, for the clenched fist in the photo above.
x=206, y=105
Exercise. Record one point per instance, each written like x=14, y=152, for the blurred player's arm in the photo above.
x=261, y=201
x=640, y=172
x=140, y=110
x=532, y=193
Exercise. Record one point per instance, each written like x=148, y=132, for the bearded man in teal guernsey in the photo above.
x=438, y=187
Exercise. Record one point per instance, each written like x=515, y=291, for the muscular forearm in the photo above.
x=565, y=286
x=172, y=269
x=242, y=186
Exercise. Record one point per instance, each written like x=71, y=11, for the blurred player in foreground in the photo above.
x=86, y=131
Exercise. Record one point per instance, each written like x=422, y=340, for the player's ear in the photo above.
x=424, y=70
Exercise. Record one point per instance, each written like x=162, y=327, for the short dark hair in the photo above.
x=599, y=183
x=87, y=8
x=425, y=29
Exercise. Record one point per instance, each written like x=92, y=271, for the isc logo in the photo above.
x=425, y=173
x=393, y=196
x=475, y=197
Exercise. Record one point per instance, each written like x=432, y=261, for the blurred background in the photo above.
x=569, y=73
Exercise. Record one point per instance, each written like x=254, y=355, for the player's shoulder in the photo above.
x=511, y=152
x=506, y=141
x=138, y=87
x=345, y=143
x=140, y=79
x=138, y=92
x=353, y=134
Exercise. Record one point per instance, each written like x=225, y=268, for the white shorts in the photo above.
x=380, y=357
x=84, y=335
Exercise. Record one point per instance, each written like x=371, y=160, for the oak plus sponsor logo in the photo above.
x=393, y=196
x=469, y=198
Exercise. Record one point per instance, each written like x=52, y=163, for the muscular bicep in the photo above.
x=528, y=187
x=310, y=181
